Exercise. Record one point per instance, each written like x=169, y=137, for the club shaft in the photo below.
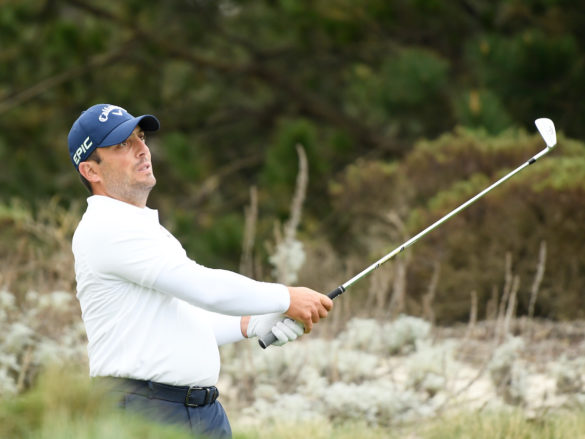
x=269, y=338
x=437, y=223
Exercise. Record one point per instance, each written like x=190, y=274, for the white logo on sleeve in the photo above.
x=110, y=109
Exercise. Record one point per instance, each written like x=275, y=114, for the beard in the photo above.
x=130, y=189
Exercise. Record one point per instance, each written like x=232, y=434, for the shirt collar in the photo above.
x=102, y=201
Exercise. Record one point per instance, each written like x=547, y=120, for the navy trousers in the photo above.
x=208, y=420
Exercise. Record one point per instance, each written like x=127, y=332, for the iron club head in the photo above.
x=546, y=128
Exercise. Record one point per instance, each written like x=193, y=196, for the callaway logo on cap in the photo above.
x=104, y=125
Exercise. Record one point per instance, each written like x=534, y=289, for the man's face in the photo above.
x=125, y=170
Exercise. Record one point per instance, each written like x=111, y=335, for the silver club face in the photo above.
x=546, y=128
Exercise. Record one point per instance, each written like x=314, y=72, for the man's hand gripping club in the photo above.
x=307, y=306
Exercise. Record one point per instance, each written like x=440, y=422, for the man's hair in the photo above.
x=94, y=156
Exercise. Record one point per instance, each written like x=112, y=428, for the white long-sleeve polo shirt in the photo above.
x=149, y=311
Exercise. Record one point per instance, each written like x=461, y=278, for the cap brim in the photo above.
x=147, y=122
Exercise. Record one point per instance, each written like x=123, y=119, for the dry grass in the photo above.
x=545, y=339
x=64, y=404
x=489, y=425
x=35, y=250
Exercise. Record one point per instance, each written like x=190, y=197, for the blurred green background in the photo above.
x=404, y=108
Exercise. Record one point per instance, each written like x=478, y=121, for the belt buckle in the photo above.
x=205, y=400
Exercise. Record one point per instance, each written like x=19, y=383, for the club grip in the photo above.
x=267, y=339
x=336, y=292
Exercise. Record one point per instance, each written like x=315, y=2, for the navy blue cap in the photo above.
x=104, y=125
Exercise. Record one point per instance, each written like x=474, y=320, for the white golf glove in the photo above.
x=283, y=328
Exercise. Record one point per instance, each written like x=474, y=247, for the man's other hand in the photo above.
x=308, y=306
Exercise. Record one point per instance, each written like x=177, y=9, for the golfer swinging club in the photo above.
x=154, y=317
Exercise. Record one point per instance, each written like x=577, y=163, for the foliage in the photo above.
x=65, y=404
x=405, y=373
x=405, y=109
x=504, y=424
x=506, y=371
x=35, y=250
x=40, y=330
x=539, y=205
x=237, y=84
x=82, y=411
x=315, y=381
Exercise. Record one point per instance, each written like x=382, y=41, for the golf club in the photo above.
x=545, y=127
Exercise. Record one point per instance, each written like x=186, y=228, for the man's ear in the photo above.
x=89, y=172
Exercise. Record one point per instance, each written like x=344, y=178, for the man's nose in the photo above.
x=142, y=147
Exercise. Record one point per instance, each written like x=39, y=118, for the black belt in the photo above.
x=191, y=396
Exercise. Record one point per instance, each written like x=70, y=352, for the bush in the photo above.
x=43, y=329
x=65, y=404
x=380, y=205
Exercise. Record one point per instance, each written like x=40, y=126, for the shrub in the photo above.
x=380, y=205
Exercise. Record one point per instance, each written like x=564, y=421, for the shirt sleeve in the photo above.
x=226, y=328
x=157, y=261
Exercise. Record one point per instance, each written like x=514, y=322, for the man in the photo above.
x=155, y=318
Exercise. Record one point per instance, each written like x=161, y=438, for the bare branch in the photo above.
x=472, y=315
x=296, y=209
x=251, y=214
x=511, y=310
x=537, y=278
x=429, y=297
